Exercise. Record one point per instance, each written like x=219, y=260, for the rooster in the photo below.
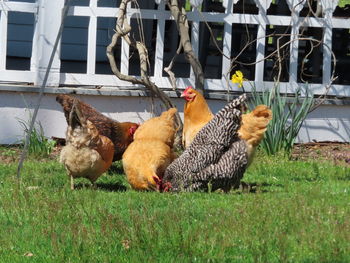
x=121, y=133
x=196, y=114
x=147, y=157
x=219, y=153
x=87, y=153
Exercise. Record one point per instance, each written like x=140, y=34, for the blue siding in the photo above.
x=75, y=34
x=20, y=34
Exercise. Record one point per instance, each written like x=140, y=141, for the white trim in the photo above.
x=327, y=42
x=226, y=48
x=195, y=45
x=158, y=67
x=17, y=75
x=125, y=51
x=92, y=37
x=48, y=15
x=18, y=7
x=3, y=37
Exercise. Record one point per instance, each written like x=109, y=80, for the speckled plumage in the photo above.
x=117, y=132
x=87, y=153
x=216, y=155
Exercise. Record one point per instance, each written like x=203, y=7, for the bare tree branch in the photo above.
x=180, y=18
x=168, y=69
x=122, y=30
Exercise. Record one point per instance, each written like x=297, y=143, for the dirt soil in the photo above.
x=338, y=153
x=11, y=154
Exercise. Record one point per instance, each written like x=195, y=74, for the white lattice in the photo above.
x=48, y=16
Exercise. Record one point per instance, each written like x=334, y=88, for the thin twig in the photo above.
x=122, y=30
x=180, y=17
x=42, y=89
x=168, y=69
x=212, y=35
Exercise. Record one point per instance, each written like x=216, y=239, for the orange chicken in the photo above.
x=253, y=127
x=196, y=114
x=87, y=153
x=151, y=152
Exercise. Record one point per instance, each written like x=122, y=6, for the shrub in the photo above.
x=289, y=114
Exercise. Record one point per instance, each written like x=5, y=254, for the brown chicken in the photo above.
x=121, y=133
x=147, y=157
x=196, y=114
x=87, y=153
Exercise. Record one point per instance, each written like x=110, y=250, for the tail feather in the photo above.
x=61, y=99
x=169, y=114
x=76, y=119
x=254, y=125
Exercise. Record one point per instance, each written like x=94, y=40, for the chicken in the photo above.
x=210, y=144
x=230, y=168
x=221, y=151
x=121, y=133
x=219, y=154
x=87, y=153
x=253, y=127
x=147, y=157
x=196, y=114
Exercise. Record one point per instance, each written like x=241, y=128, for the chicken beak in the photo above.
x=183, y=95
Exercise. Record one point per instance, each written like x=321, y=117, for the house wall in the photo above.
x=74, y=39
x=331, y=123
x=75, y=34
x=73, y=67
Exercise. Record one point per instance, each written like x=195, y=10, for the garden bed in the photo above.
x=335, y=152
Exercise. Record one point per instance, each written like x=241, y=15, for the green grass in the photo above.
x=294, y=212
x=342, y=3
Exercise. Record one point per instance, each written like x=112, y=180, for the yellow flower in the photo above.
x=238, y=78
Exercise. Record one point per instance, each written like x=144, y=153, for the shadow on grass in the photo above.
x=255, y=187
x=111, y=187
x=108, y=187
x=115, y=169
x=243, y=187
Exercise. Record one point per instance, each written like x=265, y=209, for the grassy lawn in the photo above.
x=342, y=3
x=291, y=212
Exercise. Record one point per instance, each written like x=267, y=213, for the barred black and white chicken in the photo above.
x=216, y=157
x=221, y=150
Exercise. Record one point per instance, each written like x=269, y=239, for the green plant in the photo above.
x=289, y=114
x=9, y=153
x=39, y=145
x=342, y=3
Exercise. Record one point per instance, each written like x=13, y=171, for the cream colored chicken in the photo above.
x=87, y=153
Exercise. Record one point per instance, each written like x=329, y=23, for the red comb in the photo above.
x=184, y=93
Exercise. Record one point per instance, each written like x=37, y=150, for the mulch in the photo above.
x=336, y=152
